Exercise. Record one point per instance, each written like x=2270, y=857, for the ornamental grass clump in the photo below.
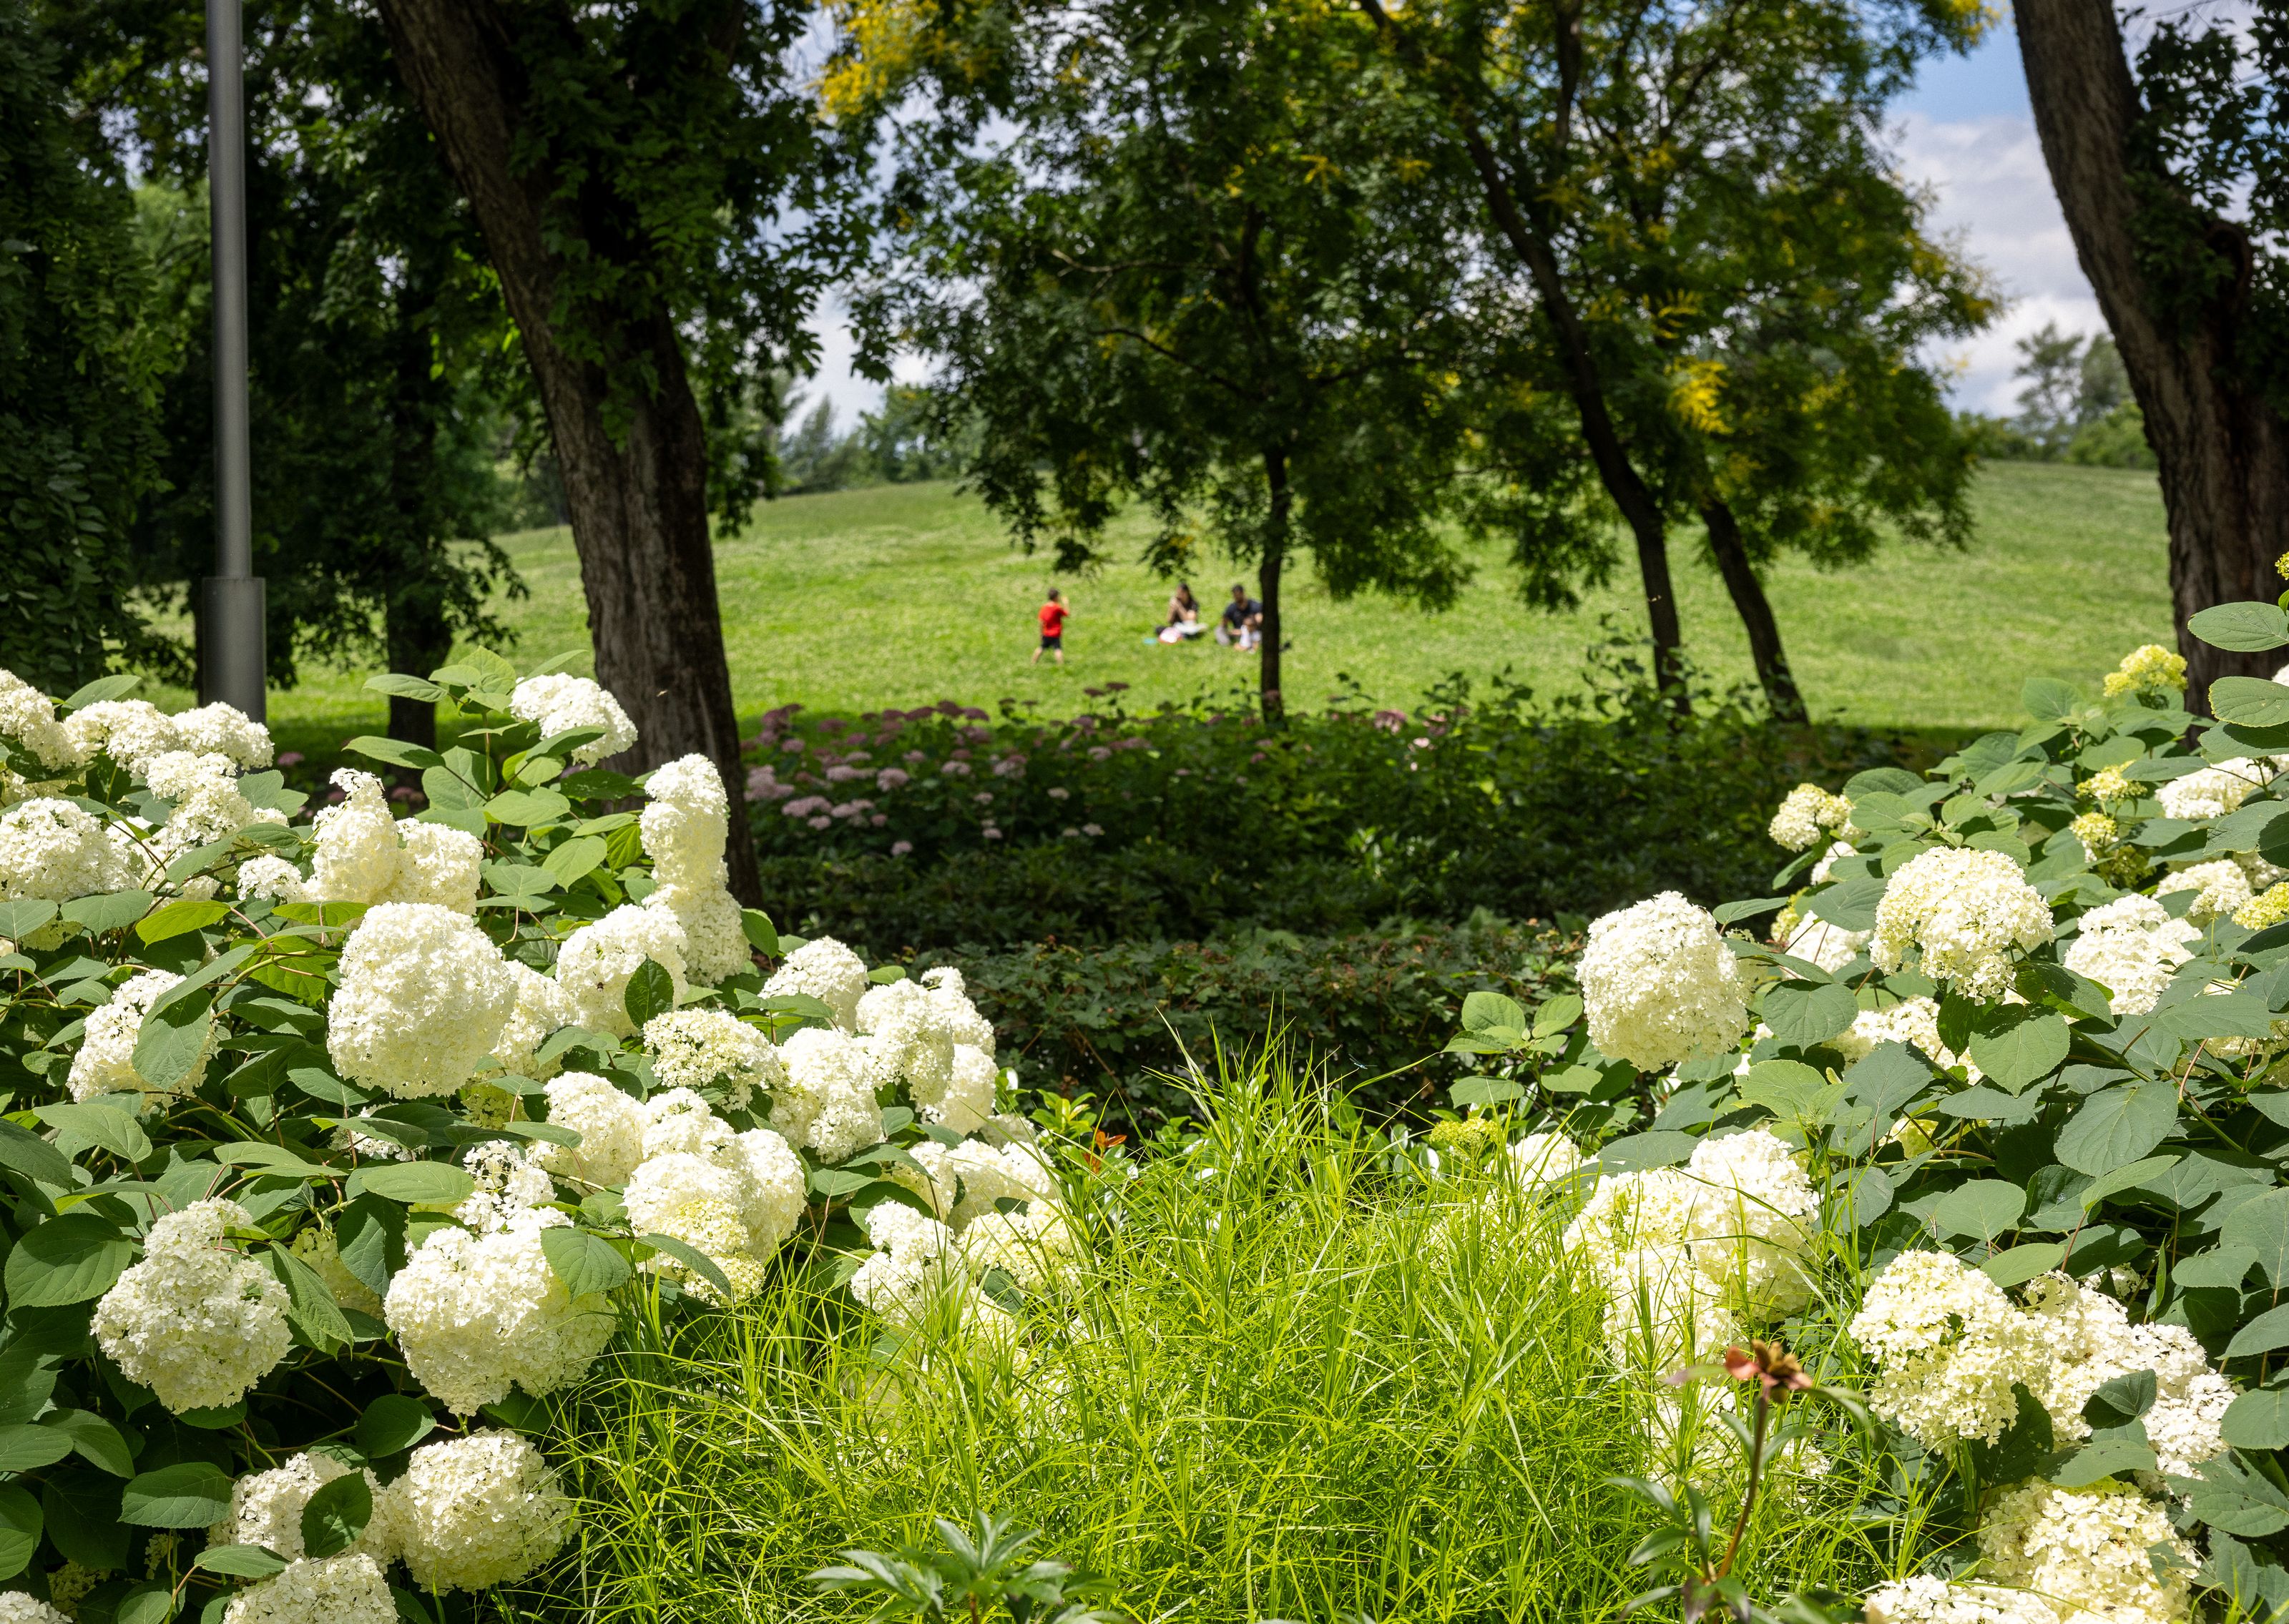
x=343, y=1148
x=2011, y=1060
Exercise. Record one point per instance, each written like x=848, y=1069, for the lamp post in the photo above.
x=232, y=651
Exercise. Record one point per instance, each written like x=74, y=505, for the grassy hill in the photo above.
x=905, y=594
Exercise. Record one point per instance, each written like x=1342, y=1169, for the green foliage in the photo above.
x=974, y=1571
x=78, y=364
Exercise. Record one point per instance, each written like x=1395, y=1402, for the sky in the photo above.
x=1964, y=132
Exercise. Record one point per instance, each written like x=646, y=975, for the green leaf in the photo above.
x=448, y=791
x=2021, y=1047
x=29, y=1448
x=529, y=808
x=583, y=1262
x=24, y=917
x=1792, y=1091
x=2261, y=1224
x=369, y=1237
x=173, y=1037
x=2023, y=1447
x=27, y=1153
x=2126, y=1178
x=2254, y=702
x=95, y=1439
x=68, y=1259
x=2017, y=1265
x=414, y=1184
x=310, y=1306
x=2048, y=699
x=1802, y=1016
x=115, y=686
x=2237, y=1501
x=2224, y=1015
x=239, y=1561
x=104, y=1126
x=398, y=753
x=2246, y=628
x=113, y=910
x=832, y=1182
x=1485, y=1092
x=2226, y=1267
x=1986, y=1208
x=2258, y=1419
x=189, y=1494
x=20, y=1522
x=762, y=934
x=650, y=992
x=2121, y=1400
x=1497, y=1017
x=181, y=918
x=573, y=858
x=1638, y=1152
x=1557, y=1015
x=697, y=1261
x=400, y=686
x=275, y=1161
x=1733, y=913
x=395, y=1422
x=2116, y=1127
x=336, y=1515
x=2103, y=1457
x=1848, y=904
x=2262, y=1334
x=519, y=880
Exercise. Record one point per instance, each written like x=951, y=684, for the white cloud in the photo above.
x=1992, y=195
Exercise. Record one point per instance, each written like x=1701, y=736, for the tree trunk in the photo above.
x=637, y=494
x=417, y=639
x=1275, y=554
x=2224, y=457
x=1755, y=611
x=420, y=641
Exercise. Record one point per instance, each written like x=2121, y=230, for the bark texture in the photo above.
x=638, y=501
x=1755, y=609
x=2223, y=456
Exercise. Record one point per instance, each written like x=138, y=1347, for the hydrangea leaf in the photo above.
x=2048, y=699
x=1984, y=1208
x=24, y=916
x=2018, y=1045
x=2121, y=1400
x=585, y=1262
x=188, y=1494
x=2247, y=627
x=2017, y=1265
x=21, y=1522
x=1803, y=1016
x=692, y=1258
x=93, y=1439
x=2115, y=1127
x=310, y=1306
x=570, y=860
x=2131, y=1178
x=650, y=992
x=2258, y=1419
x=104, y=1126
x=398, y=753
x=240, y=1561
x=414, y=1184
x=27, y=1448
x=113, y=910
x=2261, y=1224
x=393, y=1423
x=2262, y=1334
x=2252, y=702
x=1638, y=1152
x=67, y=1259
x=2023, y=1447
x=173, y=1038
x=337, y=1514
x=181, y=918
x=2103, y=1457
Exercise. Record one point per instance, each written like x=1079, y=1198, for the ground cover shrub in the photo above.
x=1375, y=1008
x=1293, y=1367
x=336, y=1153
x=1990, y=1123
x=946, y=827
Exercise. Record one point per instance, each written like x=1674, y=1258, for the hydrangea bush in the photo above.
x=337, y=1150
x=1984, y=1110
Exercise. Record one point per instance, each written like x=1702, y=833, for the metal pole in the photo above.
x=232, y=651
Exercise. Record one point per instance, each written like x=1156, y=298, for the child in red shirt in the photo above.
x=1053, y=617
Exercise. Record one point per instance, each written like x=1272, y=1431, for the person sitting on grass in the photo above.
x=1052, y=616
x=1183, y=615
x=1242, y=625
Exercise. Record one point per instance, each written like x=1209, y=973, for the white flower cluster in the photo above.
x=2087, y=1341
x=265, y=1509
x=362, y=854
x=708, y=1049
x=2220, y=886
x=611, y=1126
x=685, y=825
x=424, y=994
x=55, y=850
x=17, y=1607
x=106, y=1061
x=2087, y=1552
x=1685, y=1255
x=734, y=1197
x=929, y=1034
x=1965, y=909
x=197, y=1321
x=477, y=1314
x=1545, y=1158
x=1829, y=946
x=1807, y=815
x=559, y=704
x=1913, y=1020
x=597, y=962
x=2132, y=947
x=2213, y=791
x=343, y=1589
x=29, y=717
x=1925, y=1600
x=510, y=1181
x=541, y=1008
x=1660, y=985
x=828, y=971
x=208, y=805
x=135, y=733
x=827, y=1104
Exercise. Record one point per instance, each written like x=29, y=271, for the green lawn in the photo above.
x=905, y=594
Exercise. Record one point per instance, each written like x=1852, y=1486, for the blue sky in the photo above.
x=1965, y=133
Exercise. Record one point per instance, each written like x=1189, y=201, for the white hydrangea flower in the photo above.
x=225, y=730
x=611, y=1126
x=1806, y=815
x=29, y=716
x=685, y=822
x=828, y=971
x=734, y=1197
x=558, y=704
x=54, y=850
x=2132, y=947
x=917, y=1264
x=542, y=1008
x=1925, y=1600
x=1749, y=1225
x=1545, y=1158
x=437, y=863
x=1660, y=985
x=702, y=1049
x=271, y=878
x=130, y=731
x=1832, y=947
x=988, y=1174
x=1949, y=1344
x=1966, y=910
x=477, y=1511
x=265, y=1509
x=2222, y=884
x=356, y=844
x=827, y=1103
x=423, y=998
x=17, y=1607
x=1912, y=1021
x=680, y=1119
x=106, y=1061
x=2088, y=1340
x=315, y=1245
x=1032, y=1247
x=2084, y=1550
x=197, y=1321
x=2213, y=791
x=714, y=930
x=207, y=805
x=597, y=961
x=509, y=1182
x=344, y=1589
x=918, y=1032
x=476, y=1314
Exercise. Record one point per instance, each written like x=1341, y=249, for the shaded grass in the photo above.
x=1291, y=1380
x=904, y=594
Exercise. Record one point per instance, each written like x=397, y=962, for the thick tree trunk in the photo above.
x=420, y=641
x=638, y=497
x=1275, y=554
x=1755, y=609
x=2224, y=457
x=413, y=618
